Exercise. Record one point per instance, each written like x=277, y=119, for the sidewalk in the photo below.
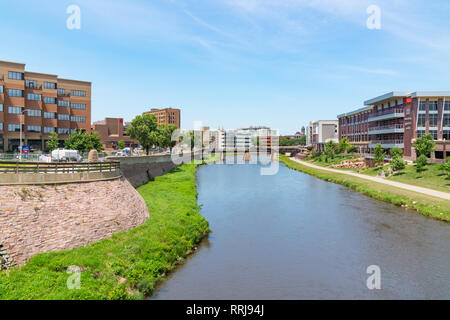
x=430, y=192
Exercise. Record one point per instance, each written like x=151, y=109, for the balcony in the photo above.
x=390, y=113
x=387, y=144
x=392, y=128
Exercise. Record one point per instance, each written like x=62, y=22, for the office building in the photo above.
x=111, y=131
x=167, y=116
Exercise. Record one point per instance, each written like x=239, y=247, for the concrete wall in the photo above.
x=36, y=219
x=140, y=170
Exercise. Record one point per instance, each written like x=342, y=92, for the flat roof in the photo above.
x=354, y=112
x=390, y=95
x=430, y=94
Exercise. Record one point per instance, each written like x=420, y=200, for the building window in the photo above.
x=61, y=91
x=78, y=106
x=447, y=106
x=13, y=127
x=1, y=126
x=49, y=130
x=49, y=85
x=15, y=93
x=15, y=110
x=408, y=111
x=34, y=113
x=34, y=97
x=51, y=100
x=34, y=129
x=50, y=115
x=32, y=84
x=434, y=133
x=420, y=133
x=79, y=93
x=63, y=130
x=77, y=119
x=1, y=89
x=433, y=106
x=62, y=116
x=1, y=107
x=433, y=120
x=63, y=103
x=421, y=120
x=422, y=106
x=15, y=75
x=446, y=120
x=446, y=134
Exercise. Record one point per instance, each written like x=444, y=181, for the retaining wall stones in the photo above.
x=36, y=219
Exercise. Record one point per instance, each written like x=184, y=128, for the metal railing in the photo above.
x=386, y=142
x=387, y=111
x=68, y=167
x=390, y=126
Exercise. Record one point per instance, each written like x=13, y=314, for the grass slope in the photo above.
x=141, y=256
x=429, y=206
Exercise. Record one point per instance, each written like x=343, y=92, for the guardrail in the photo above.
x=59, y=168
x=386, y=127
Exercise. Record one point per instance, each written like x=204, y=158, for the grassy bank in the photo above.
x=128, y=265
x=424, y=204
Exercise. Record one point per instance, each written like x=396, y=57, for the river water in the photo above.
x=293, y=236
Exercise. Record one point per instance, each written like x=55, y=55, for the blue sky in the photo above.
x=233, y=63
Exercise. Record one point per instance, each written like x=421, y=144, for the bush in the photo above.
x=379, y=154
x=396, y=152
x=146, y=287
x=352, y=149
x=398, y=163
x=421, y=162
x=446, y=167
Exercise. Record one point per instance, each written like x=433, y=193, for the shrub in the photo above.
x=146, y=287
x=398, y=163
x=352, y=149
x=421, y=162
x=446, y=168
x=396, y=152
x=379, y=154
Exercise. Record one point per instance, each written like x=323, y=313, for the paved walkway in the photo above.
x=430, y=192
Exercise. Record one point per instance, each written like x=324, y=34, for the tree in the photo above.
x=302, y=140
x=397, y=163
x=446, y=167
x=379, y=154
x=53, y=143
x=352, y=149
x=330, y=148
x=121, y=144
x=83, y=142
x=424, y=145
x=396, y=152
x=165, y=132
x=343, y=145
x=421, y=162
x=144, y=129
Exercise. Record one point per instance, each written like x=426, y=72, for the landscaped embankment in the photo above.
x=424, y=204
x=130, y=263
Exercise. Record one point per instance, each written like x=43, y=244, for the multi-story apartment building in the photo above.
x=111, y=131
x=247, y=138
x=40, y=104
x=167, y=116
x=318, y=133
x=396, y=119
x=354, y=126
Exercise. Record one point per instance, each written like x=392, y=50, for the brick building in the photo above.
x=40, y=104
x=111, y=131
x=396, y=119
x=167, y=116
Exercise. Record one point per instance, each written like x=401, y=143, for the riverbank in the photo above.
x=427, y=205
x=130, y=264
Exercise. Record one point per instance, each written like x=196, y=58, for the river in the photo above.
x=293, y=236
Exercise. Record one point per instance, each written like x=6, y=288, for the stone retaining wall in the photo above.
x=36, y=219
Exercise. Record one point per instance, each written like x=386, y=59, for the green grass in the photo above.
x=436, y=208
x=338, y=158
x=142, y=256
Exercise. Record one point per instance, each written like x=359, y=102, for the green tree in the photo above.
x=396, y=152
x=343, y=145
x=144, y=129
x=330, y=149
x=165, y=132
x=397, y=163
x=302, y=140
x=379, y=154
x=352, y=149
x=446, y=167
x=83, y=142
x=53, y=143
x=121, y=144
x=424, y=145
x=421, y=162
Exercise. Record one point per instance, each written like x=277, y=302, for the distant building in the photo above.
x=41, y=104
x=246, y=138
x=167, y=116
x=320, y=132
x=111, y=131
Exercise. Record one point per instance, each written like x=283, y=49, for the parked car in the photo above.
x=63, y=155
